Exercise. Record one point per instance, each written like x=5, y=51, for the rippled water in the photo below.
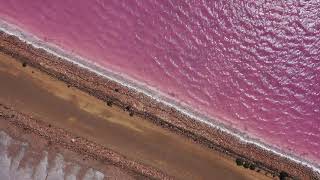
x=253, y=64
x=19, y=162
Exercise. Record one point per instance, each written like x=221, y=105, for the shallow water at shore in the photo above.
x=253, y=65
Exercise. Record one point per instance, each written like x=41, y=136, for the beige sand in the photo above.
x=47, y=99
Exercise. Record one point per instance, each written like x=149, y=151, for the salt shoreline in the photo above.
x=47, y=162
x=150, y=93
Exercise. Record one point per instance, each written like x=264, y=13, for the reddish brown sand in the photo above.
x=144, y=108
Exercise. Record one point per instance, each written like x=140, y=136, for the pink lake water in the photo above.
x=254, y=65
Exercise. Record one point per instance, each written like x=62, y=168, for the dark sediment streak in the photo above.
x=145, y=107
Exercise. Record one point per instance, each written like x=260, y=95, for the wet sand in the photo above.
x=42, y=97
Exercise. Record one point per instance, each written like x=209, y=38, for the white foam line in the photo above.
x=142, y=88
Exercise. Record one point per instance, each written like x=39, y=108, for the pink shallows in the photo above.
x=255, y=65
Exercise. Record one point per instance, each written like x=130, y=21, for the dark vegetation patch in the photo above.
x=239, y=162
x=127, y=108
x=252, y=166
x=283, y=175
x=246, y=165
x=109, y=103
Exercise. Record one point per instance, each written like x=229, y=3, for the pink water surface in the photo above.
x=253, y=64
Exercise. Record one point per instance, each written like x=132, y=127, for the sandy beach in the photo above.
x=58, y=104
x=114, y=124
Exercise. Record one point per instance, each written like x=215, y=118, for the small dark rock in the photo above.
x=131, y=113
x=24, y=64
x=116, y=90
x=49, y=125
